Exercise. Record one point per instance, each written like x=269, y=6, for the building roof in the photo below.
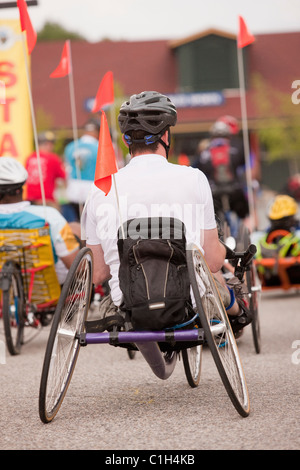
x=136, y=66
x=151, y=65
x=194, y=37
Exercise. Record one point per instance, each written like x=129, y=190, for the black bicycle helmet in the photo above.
x=149, y=111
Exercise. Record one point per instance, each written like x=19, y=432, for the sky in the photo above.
x=139, y=20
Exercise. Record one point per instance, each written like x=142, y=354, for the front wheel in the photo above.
x=12, y=304
x=217, y=330
x=63, y=344
x=253, y=288
x=192, y=359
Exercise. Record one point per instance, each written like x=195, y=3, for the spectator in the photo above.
x=81, y=157
x=52, y=168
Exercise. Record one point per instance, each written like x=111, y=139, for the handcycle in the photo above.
x=208, y=325
x=276, y=271
x=29, y=288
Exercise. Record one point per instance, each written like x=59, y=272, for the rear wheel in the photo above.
x=13, y=307
x=63, y=343
x=217, y=330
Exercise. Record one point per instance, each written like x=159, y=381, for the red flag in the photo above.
x=64, y=67
x=26, y=25
x=244, y=37
x=105, y=93
x=106, y=159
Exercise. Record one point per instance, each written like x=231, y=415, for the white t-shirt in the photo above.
x=149, y=186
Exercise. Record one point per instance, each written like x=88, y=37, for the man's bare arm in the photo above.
x=101, y=270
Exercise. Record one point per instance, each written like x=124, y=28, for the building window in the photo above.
x=208, y=63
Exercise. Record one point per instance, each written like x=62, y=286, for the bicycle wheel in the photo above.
x=192, y=359
x=217, y=330
x=253, y=289
x=131, y=353
x=63, y=343
x=13, y=307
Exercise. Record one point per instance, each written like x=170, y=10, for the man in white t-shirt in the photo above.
x=149, y=186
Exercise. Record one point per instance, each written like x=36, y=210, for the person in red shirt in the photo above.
x=52, y=168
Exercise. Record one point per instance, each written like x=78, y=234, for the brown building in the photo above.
x=200, y=73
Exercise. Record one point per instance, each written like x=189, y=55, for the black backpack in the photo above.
x=153, y=273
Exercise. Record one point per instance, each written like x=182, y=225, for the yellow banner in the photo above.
x=16, y=138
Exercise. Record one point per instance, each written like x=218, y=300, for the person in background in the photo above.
x=292, y=187
x=80, y=159
x=18, y=213
x=281, y=239
x=52, y=168
x=221, y=160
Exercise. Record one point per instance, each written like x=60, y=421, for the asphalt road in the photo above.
x=115, y=403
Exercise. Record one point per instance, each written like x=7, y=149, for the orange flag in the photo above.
x=244, y=37
x=105, y=93
x=106, y=160
x=26, y=25
x=64, y=67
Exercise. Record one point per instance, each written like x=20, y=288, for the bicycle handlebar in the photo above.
x=245, y=258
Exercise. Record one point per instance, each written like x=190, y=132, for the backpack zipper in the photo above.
x=141, y=264
x=167, y=270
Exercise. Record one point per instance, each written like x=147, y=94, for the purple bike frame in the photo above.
x=195, y=334
x=147, y=342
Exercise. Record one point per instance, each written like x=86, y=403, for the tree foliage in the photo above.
x=279, y=121
x=55, y=32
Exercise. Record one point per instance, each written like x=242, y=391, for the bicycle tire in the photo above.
x=131, y=353
x=192, y=360
x=13, y=308
x=63, y=344
x=217, y=330
x=253, y=289
x=253, y=284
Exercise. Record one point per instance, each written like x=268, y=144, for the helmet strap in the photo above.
x=166, y=146
x=150, y=139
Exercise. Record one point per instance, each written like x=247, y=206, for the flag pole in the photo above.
x=74, y=119
x=114, y=132
x=33, y=120
x=118, y=206
x=245, y=134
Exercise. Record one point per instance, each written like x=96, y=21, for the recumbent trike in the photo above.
x=207, y=324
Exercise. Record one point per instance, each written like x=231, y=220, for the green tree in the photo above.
x=55, y=32
x=279, y=121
